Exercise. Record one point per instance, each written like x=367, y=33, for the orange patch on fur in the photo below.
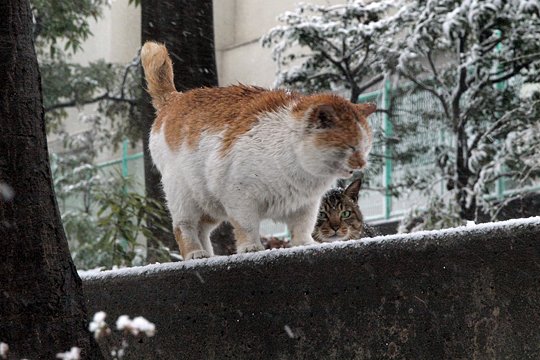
x=346, y=118
x=207, y=220
x=233, y=110
x=356, y=161
x=185, y=245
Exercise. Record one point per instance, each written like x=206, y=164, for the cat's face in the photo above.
x=339, y=215
x=337, y=137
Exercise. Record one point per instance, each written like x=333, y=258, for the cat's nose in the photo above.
x=334, y=227
x=356, y=160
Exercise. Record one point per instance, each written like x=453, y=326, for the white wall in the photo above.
x=116, y=35
x=239, y=25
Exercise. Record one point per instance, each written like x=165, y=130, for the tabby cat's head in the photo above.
x=339, y=215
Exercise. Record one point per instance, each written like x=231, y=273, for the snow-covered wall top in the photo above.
x=262, y=257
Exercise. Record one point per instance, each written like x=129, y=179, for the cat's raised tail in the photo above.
x=158, y=71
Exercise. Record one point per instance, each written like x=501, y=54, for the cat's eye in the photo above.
x=322, y=215
x=345, y=214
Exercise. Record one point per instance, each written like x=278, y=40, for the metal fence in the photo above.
x=128, y=165
x=377, y=201
x=416, y=109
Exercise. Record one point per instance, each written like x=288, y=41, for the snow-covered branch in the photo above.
x=503, y=120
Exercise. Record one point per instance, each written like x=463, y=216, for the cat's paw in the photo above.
x=198, y=254
x=303, y=242
x=249, y=248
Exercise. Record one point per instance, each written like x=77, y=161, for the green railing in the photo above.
x=124, y=160
x=415, y=109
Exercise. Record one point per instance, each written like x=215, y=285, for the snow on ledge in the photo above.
x=269, y=255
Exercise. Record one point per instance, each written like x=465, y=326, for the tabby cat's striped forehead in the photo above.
x=333, y=198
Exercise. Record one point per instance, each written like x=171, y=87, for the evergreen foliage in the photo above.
x=329, y=47
x=60, y=28
x=472, y=57
x=460, y=118
x=105, y=221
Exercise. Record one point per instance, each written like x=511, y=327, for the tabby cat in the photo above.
x=244, y=154
x=340, y=217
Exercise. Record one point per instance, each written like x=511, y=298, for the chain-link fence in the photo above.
x=413, y=127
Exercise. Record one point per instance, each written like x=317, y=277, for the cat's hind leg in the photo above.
x=186, y=220
x=206, y=225
x=186, y=216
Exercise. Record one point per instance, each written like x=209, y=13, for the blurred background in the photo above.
x=457, y=84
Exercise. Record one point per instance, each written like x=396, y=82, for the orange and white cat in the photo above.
x=244, y=154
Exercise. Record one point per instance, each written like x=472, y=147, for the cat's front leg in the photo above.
x=246, y=232
x=186, y=237
x=301, y=224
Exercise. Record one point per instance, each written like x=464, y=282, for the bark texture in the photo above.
x=42, y=310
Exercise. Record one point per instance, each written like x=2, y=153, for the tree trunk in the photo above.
x=355, y=93
x=42, y=308
x=467, y=209
x=187, y=29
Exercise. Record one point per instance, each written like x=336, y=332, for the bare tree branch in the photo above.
x=487, y=47
x=497, y=124
x=370, y=83
x=106, y=96
x=459, y=121
x=363, y=62
x=134, y=63
x=514, y=72
x=334, y=62
x=96, y=99
x=432, y=66
x=528, y=56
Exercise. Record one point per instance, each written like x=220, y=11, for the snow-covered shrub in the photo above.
x=73, y=354
x=460, y=126
x=116, y=344
x=106, y=222
x=472, y=58
x=135, y=326
x=329, y=47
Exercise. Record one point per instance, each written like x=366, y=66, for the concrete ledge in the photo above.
x=466, y=293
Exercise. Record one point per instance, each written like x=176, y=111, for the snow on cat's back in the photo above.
x=244, y=154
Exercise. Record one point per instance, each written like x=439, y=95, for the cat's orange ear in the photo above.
x=366, y=108
x=353, y=189
x=323, y=117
